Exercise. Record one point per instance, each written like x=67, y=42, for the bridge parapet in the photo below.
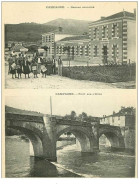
x=20, y=117
x=70, y=122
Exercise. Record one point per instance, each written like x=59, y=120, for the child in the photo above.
x=35, y=69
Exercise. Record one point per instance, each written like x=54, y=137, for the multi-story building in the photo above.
x=113, y=39
x=49, y=40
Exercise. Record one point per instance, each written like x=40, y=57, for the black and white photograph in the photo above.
x=54, y=136
x=59, y=45
x=69, y=96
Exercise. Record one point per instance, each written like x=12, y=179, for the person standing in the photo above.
x=35, y=68
x=49, y=66
x=13, y=69
x=19, y=66
x=26, y=69
x=60, y=63
x=10, y=61
x=53, y=65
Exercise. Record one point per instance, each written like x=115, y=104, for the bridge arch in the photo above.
x=81, y=134
x=114, y=135
x=34, y=137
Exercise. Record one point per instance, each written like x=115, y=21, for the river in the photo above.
x=70, y=162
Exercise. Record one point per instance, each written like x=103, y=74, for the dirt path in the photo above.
x=52, y=82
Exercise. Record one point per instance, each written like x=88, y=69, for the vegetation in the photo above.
x=28, y=32
x=109, y=74
x=31, y=32
x=81, y=117
x=127, y=110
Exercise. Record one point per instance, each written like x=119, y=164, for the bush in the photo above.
x=109, y=74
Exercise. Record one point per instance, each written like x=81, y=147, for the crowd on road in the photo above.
x=23, y=64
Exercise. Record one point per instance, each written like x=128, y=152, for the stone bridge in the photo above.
x=44, y=132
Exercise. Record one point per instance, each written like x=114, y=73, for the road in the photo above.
x=51, y=82
x=59, y=82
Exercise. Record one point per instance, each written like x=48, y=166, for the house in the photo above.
x=118, y=119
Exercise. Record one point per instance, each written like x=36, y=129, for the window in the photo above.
x=57, y=49
x=81, y=50
x=49, y=38
x=114, y=30
x=95, y=51
x=95, y=33
x=105, y=32
x=78, y=50
x=43, y=39
x=87, y=50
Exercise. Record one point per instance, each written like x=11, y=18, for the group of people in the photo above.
x=22, y=64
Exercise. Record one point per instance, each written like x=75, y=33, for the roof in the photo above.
x=117, y=15
x=79, y=37
x=18, y=47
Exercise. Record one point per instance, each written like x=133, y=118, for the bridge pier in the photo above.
x=49, y=140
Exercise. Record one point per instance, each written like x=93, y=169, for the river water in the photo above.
x=70, y=162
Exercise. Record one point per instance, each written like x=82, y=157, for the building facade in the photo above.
x=120, y=120
x=113, y=39
x=49, y=40
x=126, y=122
x=74, y=48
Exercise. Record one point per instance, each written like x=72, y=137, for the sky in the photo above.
x=38, y=12
x=97, y=105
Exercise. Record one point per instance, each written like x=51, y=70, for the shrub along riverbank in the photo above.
x=108, y=74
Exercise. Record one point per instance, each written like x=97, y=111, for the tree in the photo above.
x=73, y=115
x=33, y=48
x=127, y=110
x=45, y=48
x=83, y=117
x=67, y=49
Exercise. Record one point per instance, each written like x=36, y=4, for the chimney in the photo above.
x=123, y=13
x=60, y=29
x=102, y=17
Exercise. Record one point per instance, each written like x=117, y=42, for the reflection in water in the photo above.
x=76, y=164
x=42, y=168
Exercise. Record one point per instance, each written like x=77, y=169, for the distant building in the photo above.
x=121, y=120
x=49, y=40
x=113, y=38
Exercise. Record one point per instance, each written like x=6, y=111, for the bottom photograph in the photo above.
x=70, y=136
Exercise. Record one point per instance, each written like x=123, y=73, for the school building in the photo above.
x=113, y=39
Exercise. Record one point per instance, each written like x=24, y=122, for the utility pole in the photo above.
x=51, y=106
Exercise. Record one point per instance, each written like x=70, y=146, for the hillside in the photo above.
x=9, y=109
x=70, y=25
x=28, y=32
x=31, y=32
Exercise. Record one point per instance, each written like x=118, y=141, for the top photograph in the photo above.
x=69, y=45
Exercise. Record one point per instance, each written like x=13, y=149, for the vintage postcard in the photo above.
x=69, y=99
x=61, y=45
